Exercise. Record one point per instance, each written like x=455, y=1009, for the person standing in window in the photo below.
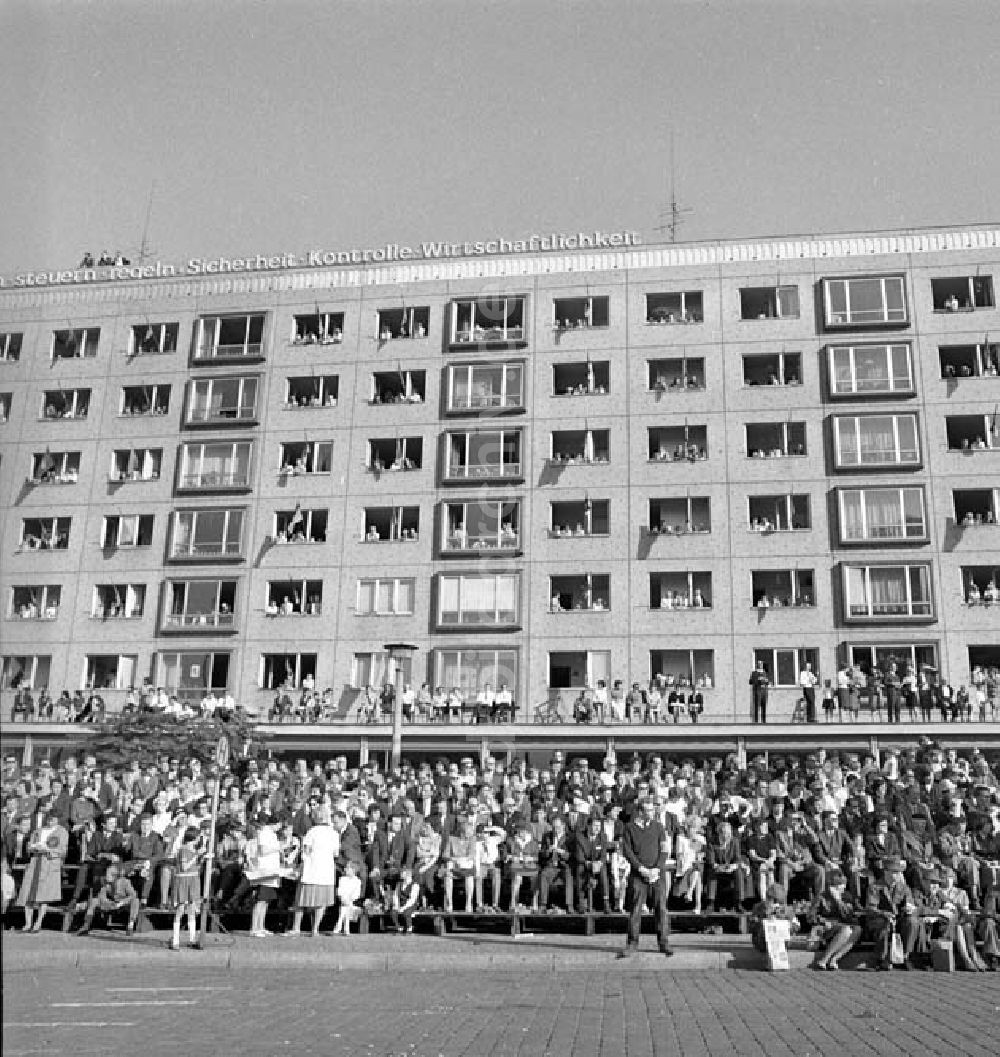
x=807, y=682
x=759, y=683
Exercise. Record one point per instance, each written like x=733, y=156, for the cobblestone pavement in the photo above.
x=441, y=1013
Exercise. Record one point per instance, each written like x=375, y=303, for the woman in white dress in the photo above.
x=318, y=884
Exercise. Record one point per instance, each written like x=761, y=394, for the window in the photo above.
x=222, y=401
x=677, y=515
x=376, y=669
x=152, y=339
x=680, y=590
x=864, y=302
x=189, y=673
x=127, y=530
x=486, y=455
x=676, y=374
x=136, y=464
x=45, y=533
x=75, y=344
x=572, y=313
x=287, y=598
x=199, y=605
x=783, y=665
x=581, y=379
x=10, y=347
x=391, y=524
x=229, y=337
x=110, y=671
x=65, y=403
x=589, y=592
x=769, y=302
x=214, y=533
x=300, y=526
x=487, y=321
x=866, y=657
x=881, y=514
x=5, y=401
x=145, y=400
x=976, y=506
x=215, y=465
x=778, y=368
x=775, y=440
x=970, y=361
x=396, y=323
x=118, y=601
x=572, y=670
x=964, y=293
x=55, y=467
x=876, y=441
x=35, y=602
x=677, y=443
x=870, y=370
x=683, y=667
x=396, y=453
x=305, y=456
x=29, y=671
x=398, y=387
x=572, y=446
x=686, y=307
x=320, y=328
x=392, y=596
x=482, y=525
x=471, y=670
x=973, y=432
x=312, y=391
x=779, y=513
x=477, y=599
x=782, y=588
x=887, y=592
x=582, y=517
x=486, y=387
x=285, y=671
x=981, y=585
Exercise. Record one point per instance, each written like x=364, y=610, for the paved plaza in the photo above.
x=449, y=999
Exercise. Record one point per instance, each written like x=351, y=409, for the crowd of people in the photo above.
x=902, y=854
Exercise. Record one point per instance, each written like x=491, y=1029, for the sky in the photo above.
x=270, y=126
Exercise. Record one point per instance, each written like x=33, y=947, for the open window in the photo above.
x=118, y=601
x=318, y=328
x=783, y=664
x=679, y=515
x=570, y=446
x=976, y=506
x=10, y=346
x=300, y=526
x=580, y=517
x=399, y=387
x=110, y=671
x=189, y=673
x=153, y=339
x=583, y=592
x=222, y=401
x=75, y=344
x=200, y=605
x=215, y=533
x=55, y=467
x=680, y=590
x=235, y=337
x=676, y=374
x=286, y=671
x=680, y=667
x=962, y=293
x=581, y=379
x=769, y=302
x=779, y=513
x=305, y=456
x=392, y=524
x=127, y=530
x=396, y=323
x=215, y=465
x=981, y=585
x=484, y=455
x=35, y=602
x=65, y=403
x=312, y=391
x=486, y=387
x=482, y=525
x=574, y=313
x=782, y=588
x=775, y=440
x=145, y=400
x=578, y=669
x=45, y=533
x=677, y=443
x=970, y=361
x=684, y=307
x=286, y=598
x=973, y=432
x=136, y=464
x=396, y=453
x=774, y=368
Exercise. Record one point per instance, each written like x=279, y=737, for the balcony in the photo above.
x=221, y=620
x=215, y=481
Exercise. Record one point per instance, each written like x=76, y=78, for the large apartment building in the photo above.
x=539, y=468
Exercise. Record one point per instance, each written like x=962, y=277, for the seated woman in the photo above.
x=840, y=918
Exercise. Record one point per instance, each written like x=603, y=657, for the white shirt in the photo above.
x=320, y=848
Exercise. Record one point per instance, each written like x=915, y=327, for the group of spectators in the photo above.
x=905, y=853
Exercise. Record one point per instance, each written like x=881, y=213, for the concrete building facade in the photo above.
x=541, y=469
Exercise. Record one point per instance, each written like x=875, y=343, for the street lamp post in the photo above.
x=398, y=653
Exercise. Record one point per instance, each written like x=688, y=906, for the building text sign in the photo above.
x=390, y=253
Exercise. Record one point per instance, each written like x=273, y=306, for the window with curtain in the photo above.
x=877, y=591
x=485, y=599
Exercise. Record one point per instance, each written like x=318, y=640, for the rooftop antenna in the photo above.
x=145, y=250
x=673, y=216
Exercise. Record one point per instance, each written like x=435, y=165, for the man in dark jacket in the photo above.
x=646, y=847
x=590, y=854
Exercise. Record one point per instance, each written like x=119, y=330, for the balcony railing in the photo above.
x=208, y=550
x=216, y=479
x=250, y=350
x=485, y=401
x=488, y=335
x=196, y=621
x=491, y=542
x=225, y=413
x=507, y=469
